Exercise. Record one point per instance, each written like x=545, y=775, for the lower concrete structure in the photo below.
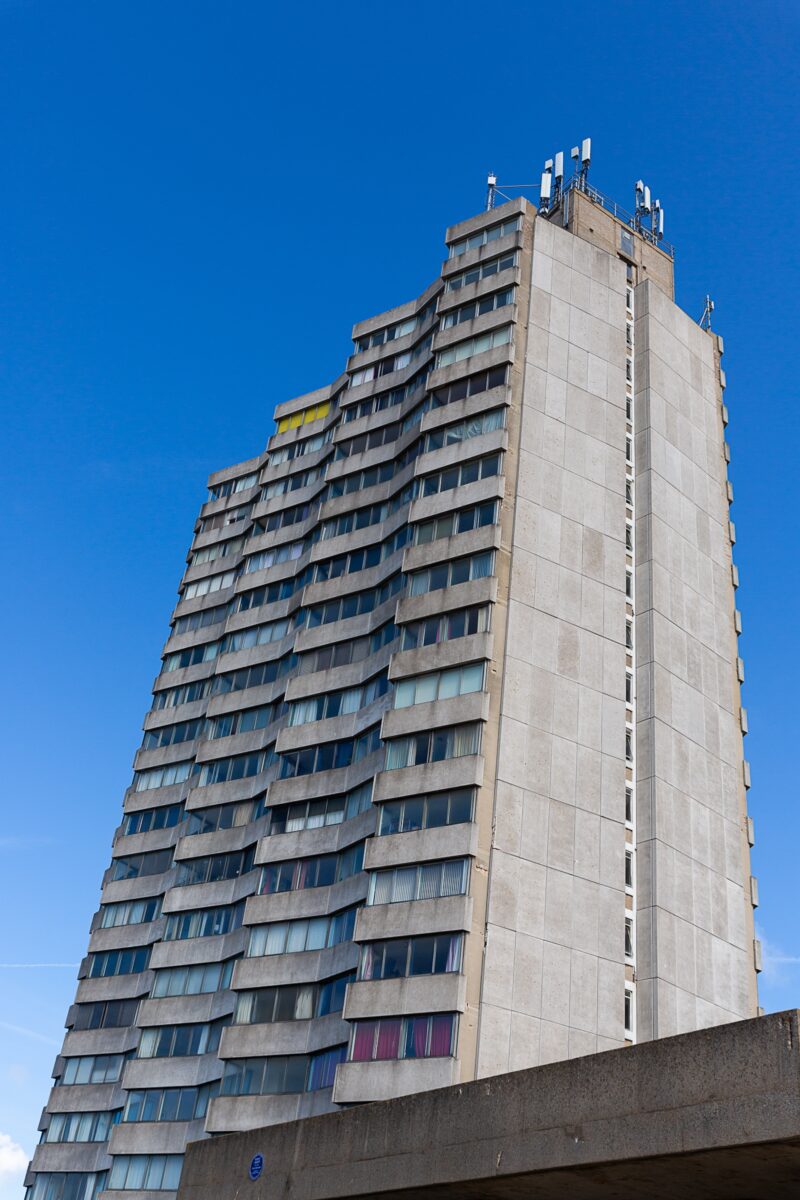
x=712, y=1114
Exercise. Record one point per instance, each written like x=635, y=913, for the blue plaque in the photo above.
x=256, y=1166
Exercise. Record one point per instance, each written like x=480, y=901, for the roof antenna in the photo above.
x=545, y=188
x=705, y=320
x=491, y=188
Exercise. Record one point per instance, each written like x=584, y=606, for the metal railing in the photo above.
x=578, y=184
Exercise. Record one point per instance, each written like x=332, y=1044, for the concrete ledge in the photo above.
x=713, y=1114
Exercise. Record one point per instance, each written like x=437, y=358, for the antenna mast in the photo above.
x=705, y=320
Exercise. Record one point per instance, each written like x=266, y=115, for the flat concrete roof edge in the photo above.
x=728, y=1086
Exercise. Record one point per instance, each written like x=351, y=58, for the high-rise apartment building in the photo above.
x=443, y=775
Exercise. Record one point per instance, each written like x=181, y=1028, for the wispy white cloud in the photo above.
x=31, y=1033
x=34, y=966
x=13, y=1159
x=23, y=843
x=777, y=963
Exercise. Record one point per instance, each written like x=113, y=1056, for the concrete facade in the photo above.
x=443, y=774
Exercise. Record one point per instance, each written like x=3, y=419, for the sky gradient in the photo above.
x=198, y=201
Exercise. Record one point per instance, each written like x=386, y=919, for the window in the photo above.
x=106, y=1014
x=311, y=933
x=278, y=554
x=152, y=818
x=282, y=518
x=439, y=685
x=145, y=781
x=319, y=871
x=482, y=271
x=432, y=630
x=628, y=635
x=439, y=954
x=193, y=981
x=383, y=400
x=433, y=746
x=471, y=386
x=628, y=688
x=448, y=574
x=119, y=962
x=362, y=518
x=361, y=560
x=218, y=550
x=477, y=308
x=169, y=1104
x=423, y=881
x=204, y=922
x=354, y=604
x=426, y=812
x=342, y=654
x=337, y=704
x=484, y=236
x=295, y=1002
x=389, y=333
x=282, y=1074
x=451, y=435
x=368, y=441
x=305, y=416
x=130, y=912
x=215, y=867
x=628, y=870
x=403, y=1037
x=92, y=1068
x=293, y=483
x=239, y=766
x=172, y=697
x=231, y=486
x=221, y=520
x=330, y=756
x=211, y=583
x=245, y=721
x=224, y=816
x=145, y=1172
x=256, y=635
x=314, y=814
x=134, y=866
x=269, y=593
x=459, y=475
x=466, y=519
x=629, y=1013
x=200, y=620
x=190, y=657
x=386, y=366
x=474, y=345
x=629, y=806
x=297, y=449
x=171, y=735
x=80, y=1127
x=66, y=1185
x=628, y=745
x=629, y=938
x=180, y=1041
x=255, y=676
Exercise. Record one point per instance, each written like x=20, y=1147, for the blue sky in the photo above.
x=198, y=200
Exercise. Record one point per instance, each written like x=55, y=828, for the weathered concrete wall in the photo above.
x=695, y=929
x=553, y=980
x=713, y=1115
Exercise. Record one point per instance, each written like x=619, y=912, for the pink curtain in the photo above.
x=441, y=1036
x=388, y=1039
x=363, y=1041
